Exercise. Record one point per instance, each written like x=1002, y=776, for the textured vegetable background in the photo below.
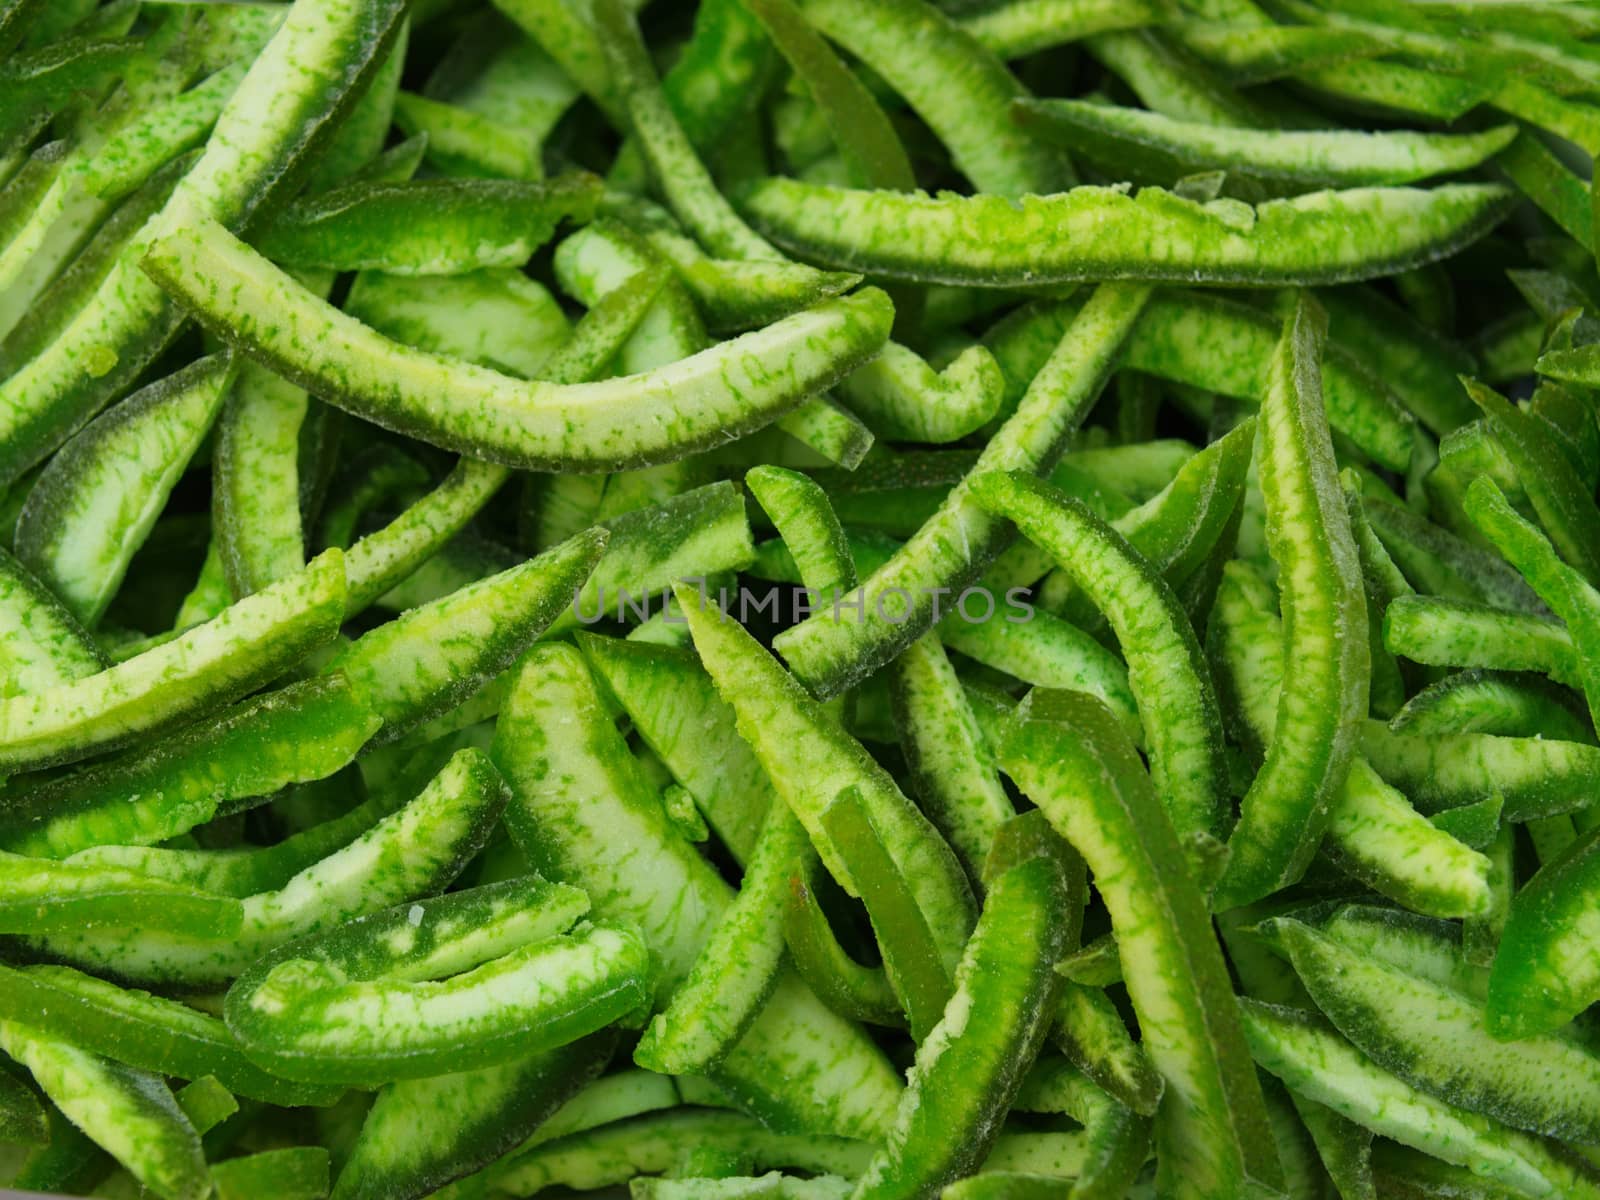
x=886, y=599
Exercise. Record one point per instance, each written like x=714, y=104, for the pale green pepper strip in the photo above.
x=1092, y=1034
x=1067, y=754
x=1102, y=232
x=810, y=759
x=1167, y=672
x=969, y=1067
x=1017, y=28
x=805, y=520
x=1459, y=633
x=738, y=966
x=704, y=400
x=1564, y=504
x=1306, y=1053
x=303, y=1014
x=1326, y=663
x=829, y=651
x=1373, y=832
x=1565, y=588
x=579, y=802
x=44, y=896
x=305, y=731
x=129, y=1113
x=413, y=852
x=1479, y=701
x=1436, y=1040
x=242, y=648
x=147, y=1032
x=45, y=645
x=649, y=1145
x=951, y=765
x=1254, y=54
x=962, y=90
x=1118, y=1139
x=404, y=1149
x=903, y=399
x=385, y=557
x=433, y=657
x=1534, y=776
x=99, y=496
x=1310, y=158
x=330, y=49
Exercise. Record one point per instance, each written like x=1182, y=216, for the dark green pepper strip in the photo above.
x=426, y=227
x=290, y=1173
x=912, y=955
x=970, y=1066
x=415, y=851
x=1461, y=633
x=45, y=645
x=1166, y=668
x=129, y=1113
x=44, y=896
x=738, y=966
x=1312, y=1059
x=1382, y=583
x=856, y=120
x=1544, y=179
x=1564, y=504
x=143, y=1031
x=1103, y=233
x=962, y=90
x=1092, y=1034
x=810, y=760
x=1436, y=1040
x=1017, y=28
x=1564, y=588
x=707, y=399
x=305, y=731
x=578, y=802
x=421, y=1134
x=245, y=646
x=649, y=1145
x=306, y=1023
x=1326, y=661
x=23, y=1120
x=676, y=168
x=433, y=657
x=829, y=651
x=847, y=987
x=1067, y=754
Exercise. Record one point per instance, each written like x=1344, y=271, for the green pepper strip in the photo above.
x=305, y=731
x=45, y=645
x=1326, y=665
x=245, y=646
x=405, y=1151
x=1103, y=233
x=829, y=651
x=129, y=1113
x=1436, y=1040
x=738, y=966
x=971, y=1064
x=704, y=400
x=1458, y=633
x=810, y=759
x=1166, y=667
x=1067, y=754
x=144, y=1031
x=1308, y=1055
x=307, y=1011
